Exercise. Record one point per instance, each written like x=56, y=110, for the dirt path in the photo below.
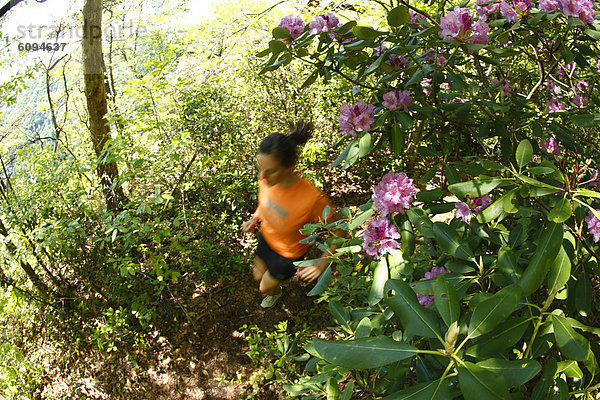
x=190, y=350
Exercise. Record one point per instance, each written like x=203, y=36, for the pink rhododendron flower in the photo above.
x=463, y=211
x=582, y=9
x=554, y=105
x=580, y=101
x=415, y=17
x=506, y=88
x=431, y=56
x=593, y=226
x=323, y=23
x=356, y=118
x=397, y=62
x=583, y=86
x=480, y=32
x=486, y=10
x=522, y=6
x=426, y=84
x=380, y=49
x=293, y=24
x=550, y=146
x=508, y=12
x=554, y=88
x=549, y=5
x=567, y=69
x=425, y=300
x=380, y=237
x=477, y=204
x=456, y=25
x=394, y=193
x=458, y=100
x=598, y=65
x=396, y=98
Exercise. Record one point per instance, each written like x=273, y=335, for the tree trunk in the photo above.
x=93, y=74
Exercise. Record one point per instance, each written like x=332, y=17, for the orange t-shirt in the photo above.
x=283, y=212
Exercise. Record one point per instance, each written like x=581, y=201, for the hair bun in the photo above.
x=301, y=132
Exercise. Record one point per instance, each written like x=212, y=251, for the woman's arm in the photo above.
x=251, y=223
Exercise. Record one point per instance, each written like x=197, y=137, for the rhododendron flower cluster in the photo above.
x=394, y=61
x=554, y=105
x=396, y=98
x=506, y=88
x=593, y=226
x=356, y=118
x=293, y=24
x=458, y=25
x=477, y=204
x=582, y=9
x=380, y=238
x=550, y=146
x=415, y=17
x=394, y=193
x=439, y=58
x=484, y=11
x=424, y=300
x=323, y=23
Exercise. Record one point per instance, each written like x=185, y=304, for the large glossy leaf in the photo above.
x=583, y=295
x=524, y=153
x=507, y=264
x=492, y=211
x=570, y=369
x=560, y=271
x=447, y=301
x=572, y=344
x=586, y=120
x=450, y=242
x=540, y=391
x=434, y=390
x=339, y=313
x=371, y=352
x=322, y=283
x=492, y=311
x=561, y=211
x=416, y=319
x=515, y=372
x=398, y=16
x=380, y=277
x=477, y=383
x=475, y=188
x=421, y=221
x=547, y=250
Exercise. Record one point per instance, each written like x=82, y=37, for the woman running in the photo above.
x=286, y=202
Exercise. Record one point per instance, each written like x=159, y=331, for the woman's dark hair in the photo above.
x=285, y=147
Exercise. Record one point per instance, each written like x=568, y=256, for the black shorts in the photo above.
x=280, y=267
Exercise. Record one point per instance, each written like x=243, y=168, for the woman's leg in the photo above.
x=268, y=285
x=258, y=268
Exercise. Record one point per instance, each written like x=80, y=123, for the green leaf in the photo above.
x=572, y=344
x=587, y=193
x=363, y=329
x=322, y=283
x=475, y=188
x=344, y=154
x=360, y=219
x=374, y=65
x=427, y=196
x=447, y=301
x=365, y=144
x=560, y=271
x=561, y=212
x=421, y=221
x=281, y=33
x=515, y=372
x=570, y=369
x=504, y=336
x=434, y=390
x=429, y=174
x=397, y=139
x=583, y=295
x=540, y=391
x=478, y=383
x=277, y=46
x=310, y=80
x=416, y=78
x=363, y=353
x=524, y=153
x=339, y=313
x=366, y=33
x=451, y=175
x=407, y=236
x=398, y=16
x=416, y=319
x=492, y=211
x=547, y=250
x=490, y=312
x=586, y=120
x=507, y=264
x=380, y=277
x=449, y=241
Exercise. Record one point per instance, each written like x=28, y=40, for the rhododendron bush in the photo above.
x=479, y=283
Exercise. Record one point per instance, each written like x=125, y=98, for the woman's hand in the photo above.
x=250, y=224
x=312, y=272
